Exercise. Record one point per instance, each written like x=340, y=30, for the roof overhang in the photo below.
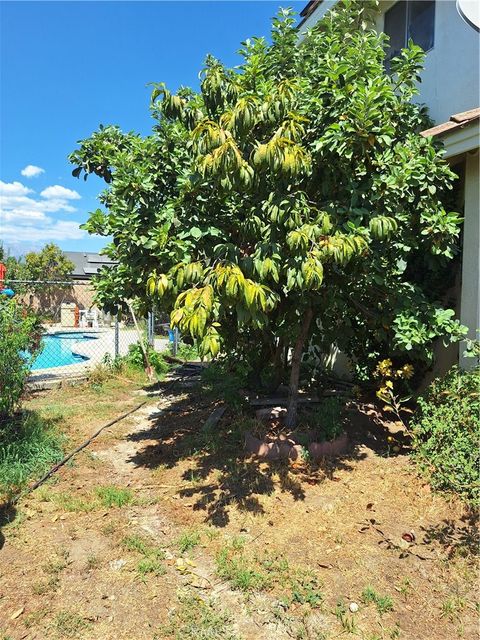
x=460, y=134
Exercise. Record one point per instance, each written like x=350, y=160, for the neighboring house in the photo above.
x=450, y=89
x=77, y=294
x=87, y=264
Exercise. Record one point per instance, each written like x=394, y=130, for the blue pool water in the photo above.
x=57, y=350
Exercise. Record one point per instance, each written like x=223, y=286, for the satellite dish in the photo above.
x=470, y=12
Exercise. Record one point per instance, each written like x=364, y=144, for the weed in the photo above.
x=34, y=617
x=111, y=496
x=136, y=543
x=383, y=603
x=196, y=618
x=404, y=587
x=452, y=607
x=68, y=502
x=188, y=540
x=306, y=590
x=58, y=564
x=151, y=565
x=347, y=621
x=43, y=587
x=108, y=528
x=240, y=572
x=69, y=624
x=93, y=562
x=151, y=562
x=238, y=542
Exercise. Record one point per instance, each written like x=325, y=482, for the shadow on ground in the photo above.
x=220, y=473
x=7, y=515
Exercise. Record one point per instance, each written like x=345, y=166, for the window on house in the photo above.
x=407, y=19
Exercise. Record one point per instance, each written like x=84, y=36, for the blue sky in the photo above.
x=66, y=67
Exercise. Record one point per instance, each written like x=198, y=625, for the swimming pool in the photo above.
x=57, y=350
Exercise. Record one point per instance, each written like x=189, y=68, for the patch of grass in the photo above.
x=152, y=557
x=109, y=529
x=199, y=619
x=306, y=589
x=383, y=603
x=136, y=543
x=111, y=496
x=68, y=624
x=346, y=621
x=188, y=540
x=453, y=607
x=46, y=586
x=93, y=562
x=151, y=565
x=69, y=502
x=294, y=585
x=57, y=564
x=242, y=574
x=28, y=447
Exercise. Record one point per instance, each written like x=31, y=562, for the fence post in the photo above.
x=150, y=329
x=117, y=337
x=175, y=341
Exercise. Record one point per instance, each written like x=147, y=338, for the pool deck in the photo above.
x=94, y=350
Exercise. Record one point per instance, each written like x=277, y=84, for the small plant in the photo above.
x=151, y=565
x=196, y=618
x=93, y=562
x=188, y=540
x=242, y=574
x=346, y=621
x=452, y=607
x=68, y=624
x=306, y=590
x=187, y=351
x=136, y=543
x=383, y=603
x=388, y=377
x=135, y=357
x=114, y=496
x=68, y=502
x=152, y=557
x=326, y=419
x=446, y=433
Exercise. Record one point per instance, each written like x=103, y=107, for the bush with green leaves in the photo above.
x=135, y=357
x=446, y=434
x=20, y=333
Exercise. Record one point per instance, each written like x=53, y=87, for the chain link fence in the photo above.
x=77, y=333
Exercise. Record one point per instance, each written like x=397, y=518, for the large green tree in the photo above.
x=290, y=199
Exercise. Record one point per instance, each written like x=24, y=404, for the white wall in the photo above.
x=470, y=304
x=450, y=80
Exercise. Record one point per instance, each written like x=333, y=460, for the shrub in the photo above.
x=28, y=446
x=327, y=419
x=19, y=343
x=135, y=357
x=446, y=433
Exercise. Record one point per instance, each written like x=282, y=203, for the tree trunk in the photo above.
x=291, y=418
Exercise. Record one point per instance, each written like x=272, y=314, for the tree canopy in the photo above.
x=290, y=199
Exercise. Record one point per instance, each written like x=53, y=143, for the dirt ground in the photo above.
x=159, y=529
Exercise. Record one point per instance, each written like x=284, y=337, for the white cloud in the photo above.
x=31, y=171
x=56, y=230
x=14, y=189
x=24, y=219
x=60, y=193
